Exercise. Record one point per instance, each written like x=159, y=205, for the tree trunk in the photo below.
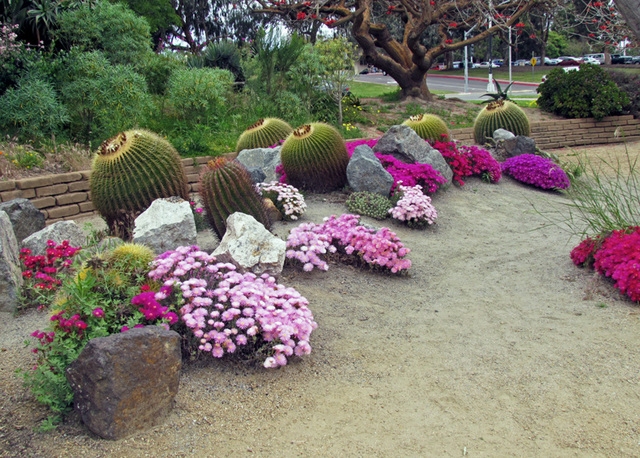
x=630, y=11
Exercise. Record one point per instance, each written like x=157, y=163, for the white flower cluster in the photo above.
x=414, y=207
x=286, y=198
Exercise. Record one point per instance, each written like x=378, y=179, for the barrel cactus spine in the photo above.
x=263, y=134
x=500, y=113
x=130, y=171
x=315, y=157
x=428, y=127
x=225, y=188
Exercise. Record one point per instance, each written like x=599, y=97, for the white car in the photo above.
x=590, y=60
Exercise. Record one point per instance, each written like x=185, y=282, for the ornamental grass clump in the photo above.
x=537, y=171
x=287, y=199
x=414, y=207
x=227, y=312
x=369, y=204
x=309, y=243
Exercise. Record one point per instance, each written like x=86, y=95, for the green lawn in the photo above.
x=360, y=89
x=524, y=74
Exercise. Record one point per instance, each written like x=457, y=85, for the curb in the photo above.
x=485, y=79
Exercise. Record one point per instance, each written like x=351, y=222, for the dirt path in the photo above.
x=494, y=345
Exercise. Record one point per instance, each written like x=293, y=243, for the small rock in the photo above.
x=165, y=225
x=58, y=233
x=265, y=159
x=251, y=247
x=10, y=273
x=365, y=172
x=25, y=217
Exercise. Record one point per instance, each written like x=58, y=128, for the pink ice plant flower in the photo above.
x=377, y=248
x=285, y=197
x=225, y=309
x=414, y=207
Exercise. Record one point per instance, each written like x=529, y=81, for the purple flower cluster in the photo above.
x=376, y=248
x=537, y=171
x=225, y=309
x=414, y=207
x=151, y=308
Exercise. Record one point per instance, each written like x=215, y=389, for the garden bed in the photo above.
x=494, y=342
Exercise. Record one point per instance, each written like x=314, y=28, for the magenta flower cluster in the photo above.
x=225, y=309
x=377, y=248
x=414, y=207
x=467, y=161
x=411, y=174
x=537, y=171
x=617, y=256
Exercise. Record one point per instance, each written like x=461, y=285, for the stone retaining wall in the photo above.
x=573, y=132
x=67, y=196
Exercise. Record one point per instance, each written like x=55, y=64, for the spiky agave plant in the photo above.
x=129, y=172
x=500, y=113
x=428, y=127
x=226, y=188
x=263, y=134
x=315, y=157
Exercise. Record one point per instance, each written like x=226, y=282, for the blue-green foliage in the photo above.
x=32, y=110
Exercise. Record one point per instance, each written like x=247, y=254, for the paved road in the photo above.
x=477, y=86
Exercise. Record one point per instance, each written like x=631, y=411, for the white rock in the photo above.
x=251, y=247
x=166, y=225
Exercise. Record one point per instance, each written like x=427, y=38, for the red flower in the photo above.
x=302, y=15
x=519, y=24
x=453, y=24
x=145, y=288
x=532, y=36
x=449, y=41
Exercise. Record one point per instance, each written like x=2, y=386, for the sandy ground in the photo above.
x=493, y=345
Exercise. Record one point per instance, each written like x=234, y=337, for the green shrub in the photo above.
x=588, y=93
x=32, y=110
x=102, y=99
x=199, y=94
x=629, y=84
x=157, y=70
x=369, y=204
x=111, y=28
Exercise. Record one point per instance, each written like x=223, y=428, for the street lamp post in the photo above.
x=466, y=59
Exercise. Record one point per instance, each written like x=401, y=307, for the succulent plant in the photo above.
x=226, y=188
x=263, y=134
x=315, y=157
x=129, y=172
x=132, y=257
x=500, y=113
x=369, y=204
x=428, y=127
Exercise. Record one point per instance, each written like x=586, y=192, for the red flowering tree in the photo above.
x=400, y=51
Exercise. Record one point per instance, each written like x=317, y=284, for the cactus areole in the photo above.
x=130, y=171
x=315, y=157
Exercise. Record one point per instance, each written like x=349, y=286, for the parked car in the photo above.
x=551, y=61
x=590, y=60
x=618, y=59
x=598, y=56
x=498, y=62
x=481, y=65
x=636, y=60
x=521, y=63
x=568, y=60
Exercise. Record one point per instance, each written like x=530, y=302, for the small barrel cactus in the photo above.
x=500, y=113
x=428, y=127
x=315, y=157
x=129, y=172
x=226, y=188
x=369, y=204
x=263, y=134
x=131, y=257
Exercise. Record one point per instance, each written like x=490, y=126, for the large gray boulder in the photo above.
x=514, y=146
x=502, y=134
x=365, y=172
x=404, y=144
x=166, y=225
x=264, y=159
x=25, y=217
x=126, y=382
x=58, y=233
x=10, y=273
x=251, y=247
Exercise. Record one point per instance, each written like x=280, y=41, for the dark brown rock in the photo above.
x=126, y=383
